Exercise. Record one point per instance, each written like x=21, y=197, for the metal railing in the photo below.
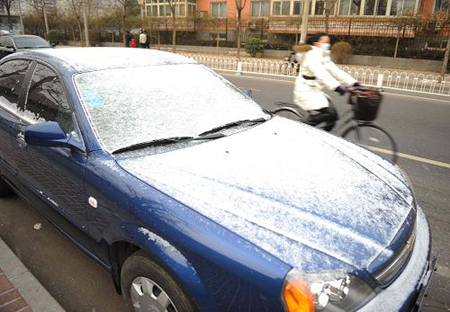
x=399, y=80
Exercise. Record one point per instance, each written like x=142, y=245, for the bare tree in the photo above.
x=172, y=6
x=7, y=4
x=240, y=5
x=76, y=6
x=40, y=6
x=328, y=8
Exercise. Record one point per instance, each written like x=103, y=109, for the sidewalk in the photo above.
x=20, y=291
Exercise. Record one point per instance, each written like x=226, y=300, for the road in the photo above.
x=419, y=125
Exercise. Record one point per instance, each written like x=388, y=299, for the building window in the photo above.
x=281, y=8
x=298, y=8
x=349, y=7
x=259, y=8
x=161, y=8
x=319, y=8
x=402, y=7
x=219, y=9
x=441, y=5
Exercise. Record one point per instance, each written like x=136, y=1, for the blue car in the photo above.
x=195, y=198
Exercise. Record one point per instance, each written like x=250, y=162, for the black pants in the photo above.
x=327, y=115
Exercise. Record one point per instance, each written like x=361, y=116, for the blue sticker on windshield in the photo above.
x=92, y=98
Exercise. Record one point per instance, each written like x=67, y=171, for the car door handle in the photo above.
x=20, y=139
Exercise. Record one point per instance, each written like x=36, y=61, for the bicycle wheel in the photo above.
x=289, y=113
x=374, y=138
x=284, y=68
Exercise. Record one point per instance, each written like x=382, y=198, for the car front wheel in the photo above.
x=149, y=287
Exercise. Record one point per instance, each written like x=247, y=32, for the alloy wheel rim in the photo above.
x=147, y=296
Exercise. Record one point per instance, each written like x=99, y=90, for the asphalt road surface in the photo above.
x=419, y=125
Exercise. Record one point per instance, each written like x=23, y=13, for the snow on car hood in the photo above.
x=296, y=192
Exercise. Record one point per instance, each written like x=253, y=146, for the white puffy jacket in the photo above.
x=316, y=63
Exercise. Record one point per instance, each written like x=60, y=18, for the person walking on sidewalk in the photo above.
x=316, y=72
x=142, y=40
x=128, y=37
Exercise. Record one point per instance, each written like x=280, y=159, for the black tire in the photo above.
x=290, y=113
x=5, y=189
x=374, y=138
x=140, y=265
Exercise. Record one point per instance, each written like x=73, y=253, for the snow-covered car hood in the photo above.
x=313, y=200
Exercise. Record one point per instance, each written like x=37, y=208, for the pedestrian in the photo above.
x=317, y=72
x=133, y=43
x=142, y=40
x=147, y=43
x=128, y=37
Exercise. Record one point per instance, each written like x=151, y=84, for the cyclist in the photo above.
x=318, y=71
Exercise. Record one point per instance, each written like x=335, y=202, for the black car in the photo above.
x=13, y=43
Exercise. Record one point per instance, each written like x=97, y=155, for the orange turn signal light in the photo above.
x=298, y=297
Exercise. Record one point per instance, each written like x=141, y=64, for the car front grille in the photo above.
x=392, y=268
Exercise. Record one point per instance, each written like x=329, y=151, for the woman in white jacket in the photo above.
x=316, y=72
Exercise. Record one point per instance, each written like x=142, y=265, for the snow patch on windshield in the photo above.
x=135, y=105
x=282, y=187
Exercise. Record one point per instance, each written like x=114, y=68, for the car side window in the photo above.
x=12, y=74
x=46, y=99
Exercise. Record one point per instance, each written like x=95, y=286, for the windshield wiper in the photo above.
x=165, y=141
x=233, y=124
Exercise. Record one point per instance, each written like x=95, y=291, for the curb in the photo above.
x=19, y=289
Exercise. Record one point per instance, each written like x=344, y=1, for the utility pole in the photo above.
x=86, y=30
x=21, y=19
x=304, y=21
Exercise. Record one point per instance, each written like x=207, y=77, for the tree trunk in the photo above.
x=124, y=15
x=446, y=56
x=8, y=12
x=327, y=20
x=238, y=54
x=46, y=23
x=397, y=42
x=174, y=35
x=80, y=29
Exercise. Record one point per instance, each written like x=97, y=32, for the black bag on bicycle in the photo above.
x=366, y=103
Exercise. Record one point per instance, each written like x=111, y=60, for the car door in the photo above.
x=54, y=174
x=12, y=77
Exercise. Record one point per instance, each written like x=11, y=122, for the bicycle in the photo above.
x=290, y=66
x=358, y=126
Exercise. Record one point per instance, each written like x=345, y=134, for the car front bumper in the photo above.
x=406, y=293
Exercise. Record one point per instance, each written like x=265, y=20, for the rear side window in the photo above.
x=46, y=99
x=12, y=74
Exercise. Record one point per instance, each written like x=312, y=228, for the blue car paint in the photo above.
x=129, y=199
x=223, y=261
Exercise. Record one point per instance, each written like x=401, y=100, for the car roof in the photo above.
x=93, y=59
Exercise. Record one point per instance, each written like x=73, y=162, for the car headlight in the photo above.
x=308, y=292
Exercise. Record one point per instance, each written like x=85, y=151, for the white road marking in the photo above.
x=420, y=97
x=447, y=101
x=412, y=157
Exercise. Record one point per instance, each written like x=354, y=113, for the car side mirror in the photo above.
x=11, y=48
x=47, y=134
x=54, y=45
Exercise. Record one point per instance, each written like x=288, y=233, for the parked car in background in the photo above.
x=14, y=43
x=196, y=199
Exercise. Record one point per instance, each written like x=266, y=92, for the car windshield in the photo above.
x=133, y=105
x=31, y=43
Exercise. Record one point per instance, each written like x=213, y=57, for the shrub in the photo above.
x=254, y=46
x=53, y=36
x=341, y=50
